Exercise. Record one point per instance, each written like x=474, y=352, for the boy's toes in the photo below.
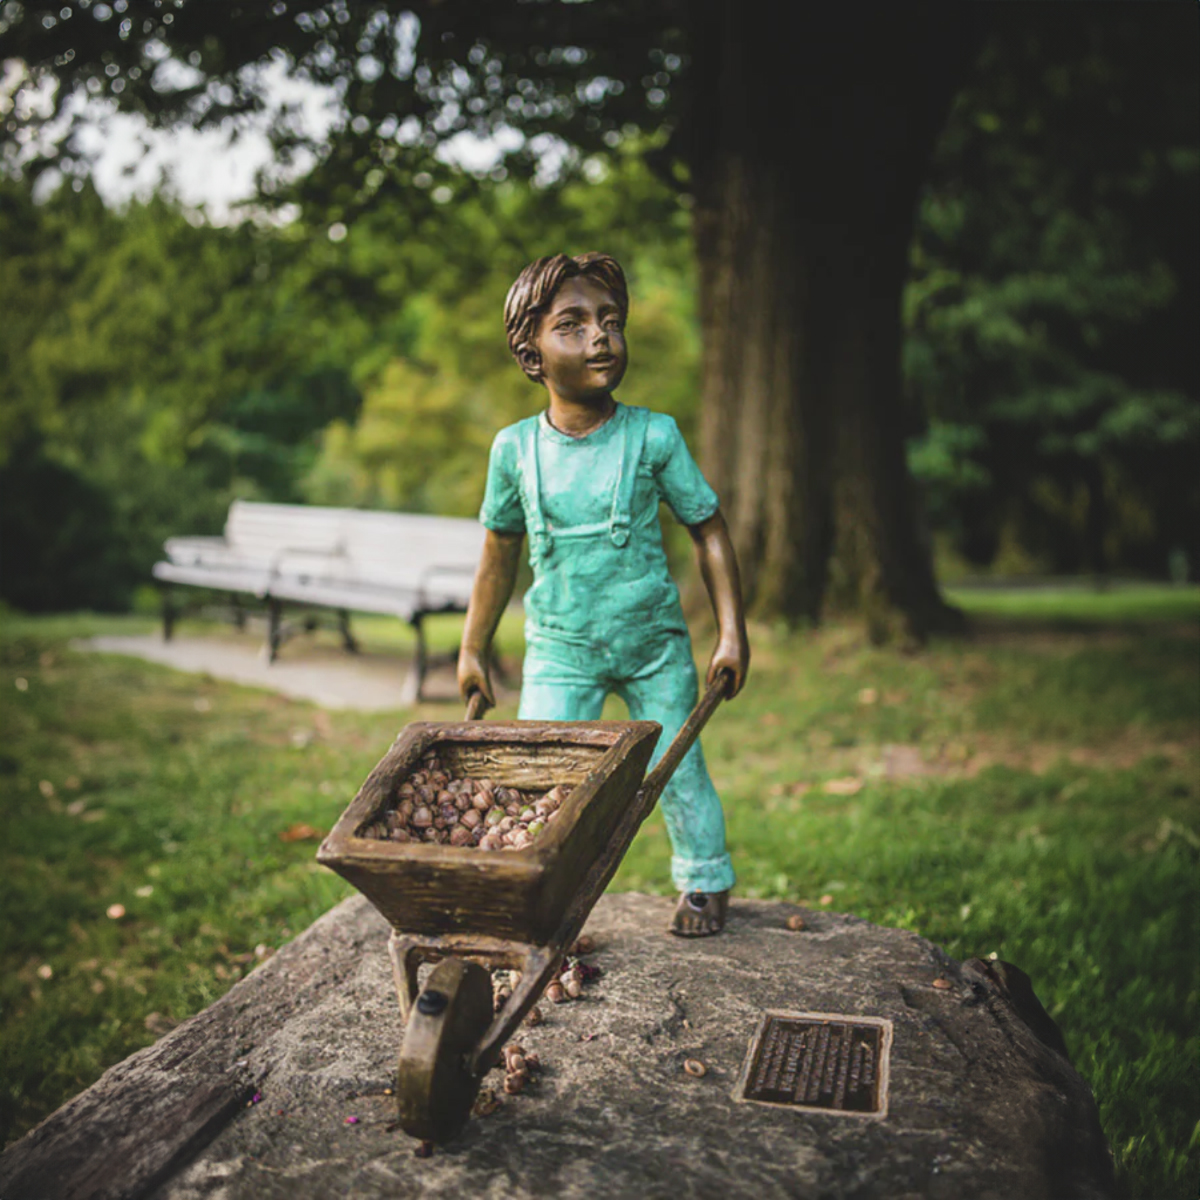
x=700, y=914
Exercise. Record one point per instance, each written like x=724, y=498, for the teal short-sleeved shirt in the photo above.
x=587, y=589
x=578, y=475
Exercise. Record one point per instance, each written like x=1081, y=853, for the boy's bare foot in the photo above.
x=700, y=914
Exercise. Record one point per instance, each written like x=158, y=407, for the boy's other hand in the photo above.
x=473, y=676
x=731, y=654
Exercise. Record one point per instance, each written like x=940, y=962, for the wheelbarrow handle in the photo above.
x=477, y=705
x=656, y=780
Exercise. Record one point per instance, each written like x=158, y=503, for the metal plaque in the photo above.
x=819, y=1062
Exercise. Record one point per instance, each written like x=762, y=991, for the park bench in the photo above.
x=343, y=559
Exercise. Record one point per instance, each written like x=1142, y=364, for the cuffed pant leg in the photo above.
x=667, y=693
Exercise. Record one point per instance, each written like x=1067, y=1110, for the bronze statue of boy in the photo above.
x=584, y=480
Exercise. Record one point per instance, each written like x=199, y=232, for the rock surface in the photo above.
x=978, y=1105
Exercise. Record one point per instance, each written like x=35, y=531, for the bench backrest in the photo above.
x=397, y=550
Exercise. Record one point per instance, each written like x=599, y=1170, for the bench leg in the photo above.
x=348, y=641
x=168, y=612
x=239, y=611
x=411, y=692
x=274, y=629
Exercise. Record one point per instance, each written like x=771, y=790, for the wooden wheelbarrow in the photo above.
x=472, y=910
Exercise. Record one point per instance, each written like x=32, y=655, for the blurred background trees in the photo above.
x=1054, y=297
x=349, y=348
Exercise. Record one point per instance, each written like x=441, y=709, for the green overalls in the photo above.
x=603, y=614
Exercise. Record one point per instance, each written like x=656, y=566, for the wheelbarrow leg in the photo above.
x=405, y=956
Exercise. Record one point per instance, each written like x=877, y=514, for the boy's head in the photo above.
x=535, y=288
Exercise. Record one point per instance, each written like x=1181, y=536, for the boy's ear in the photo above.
x=531, y=361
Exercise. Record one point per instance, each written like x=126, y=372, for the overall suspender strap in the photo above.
x=636, y=422
x=541, y=541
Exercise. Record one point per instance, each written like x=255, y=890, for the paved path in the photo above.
x=330, y=678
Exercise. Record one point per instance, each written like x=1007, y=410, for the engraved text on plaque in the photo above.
x=823, y=1061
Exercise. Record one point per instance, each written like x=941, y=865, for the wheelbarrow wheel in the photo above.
x=435, y=1084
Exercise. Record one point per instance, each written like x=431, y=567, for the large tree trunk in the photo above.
x=807, y=156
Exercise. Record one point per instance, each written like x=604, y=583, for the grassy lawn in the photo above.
x=1033, y=790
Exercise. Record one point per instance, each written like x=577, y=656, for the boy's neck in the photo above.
x=578, y=418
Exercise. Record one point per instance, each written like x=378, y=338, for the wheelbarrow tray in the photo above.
x=430, y=890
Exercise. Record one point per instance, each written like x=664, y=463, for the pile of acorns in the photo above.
x=431, y=806
x=568, y=984
x=520, y=1064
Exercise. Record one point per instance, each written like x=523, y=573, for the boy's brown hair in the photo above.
x=531, y=294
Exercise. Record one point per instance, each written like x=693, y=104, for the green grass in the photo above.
x=1081, y=603
x=1054, y=822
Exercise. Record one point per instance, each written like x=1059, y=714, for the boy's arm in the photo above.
x=719, y=569
x=490, y=595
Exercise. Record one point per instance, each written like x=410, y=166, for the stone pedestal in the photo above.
x=978, y=1105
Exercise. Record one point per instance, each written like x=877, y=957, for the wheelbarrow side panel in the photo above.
x=584, y=835
x=433, y=890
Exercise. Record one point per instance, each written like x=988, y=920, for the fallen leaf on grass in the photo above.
x=301, y=832
x=846, y=786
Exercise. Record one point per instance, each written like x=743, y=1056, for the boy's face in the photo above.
x=581, y=342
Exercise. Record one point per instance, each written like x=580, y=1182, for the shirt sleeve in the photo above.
x=680, y=481
x=502, y=510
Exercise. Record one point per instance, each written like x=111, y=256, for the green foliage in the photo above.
x=163, y=367
x=1055, y=290
x=428, y=419
x=398, y=84
x=154, y=368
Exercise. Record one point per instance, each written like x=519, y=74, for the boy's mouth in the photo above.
x=602, y=360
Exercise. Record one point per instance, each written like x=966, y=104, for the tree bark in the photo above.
x=807, y=156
